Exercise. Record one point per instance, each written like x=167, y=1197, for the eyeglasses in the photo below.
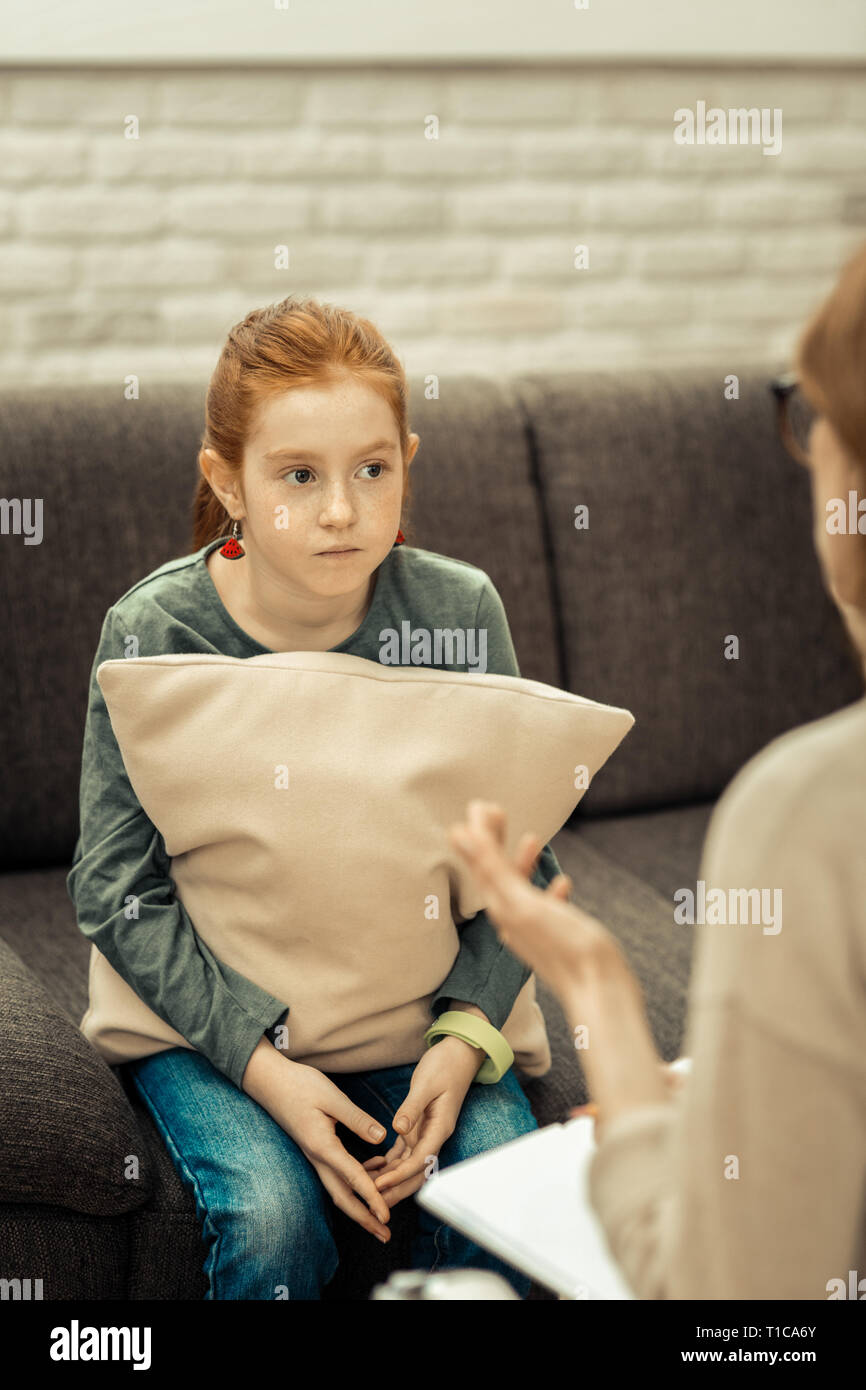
x=794, y=414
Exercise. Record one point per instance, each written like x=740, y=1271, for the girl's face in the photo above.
x=322, y=472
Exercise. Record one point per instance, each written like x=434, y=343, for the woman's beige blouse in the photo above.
x=752, y=1183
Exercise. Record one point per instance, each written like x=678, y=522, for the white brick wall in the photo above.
x=135, y=256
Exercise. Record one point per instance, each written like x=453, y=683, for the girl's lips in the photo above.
x=350, y=550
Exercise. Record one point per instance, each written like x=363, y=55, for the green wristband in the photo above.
x=479, y=1033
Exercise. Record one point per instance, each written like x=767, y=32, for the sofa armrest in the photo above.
x=68, y=1135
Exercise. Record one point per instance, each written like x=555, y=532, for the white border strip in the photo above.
x=192, y=32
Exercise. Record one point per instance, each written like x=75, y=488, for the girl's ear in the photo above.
x=225, y=484
x=212, y=467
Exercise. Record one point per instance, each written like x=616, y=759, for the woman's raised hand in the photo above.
x=554, y=937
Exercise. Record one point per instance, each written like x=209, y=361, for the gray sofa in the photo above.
x=699, y=527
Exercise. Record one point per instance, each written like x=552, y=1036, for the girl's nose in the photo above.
x=336, y=507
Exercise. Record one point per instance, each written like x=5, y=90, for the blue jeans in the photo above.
x=267, y=1219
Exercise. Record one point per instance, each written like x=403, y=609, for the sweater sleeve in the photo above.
x=750, y=1184
x=485, y=972
x=120, y=861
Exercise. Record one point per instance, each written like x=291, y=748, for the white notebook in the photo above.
x=527, y=1202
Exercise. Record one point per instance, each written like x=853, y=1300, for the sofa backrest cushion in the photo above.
x=698, y=545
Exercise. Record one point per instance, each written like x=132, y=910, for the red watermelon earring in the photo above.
x=233, y=550
x=401, y=539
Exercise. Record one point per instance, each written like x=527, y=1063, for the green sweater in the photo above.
x=120, y=852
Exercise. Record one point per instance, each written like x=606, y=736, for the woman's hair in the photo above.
x=831, y=362
x=831, y=358
x=298, y=342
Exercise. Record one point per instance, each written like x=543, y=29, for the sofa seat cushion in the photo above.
x=67, y=1134
x=661, y=847
x=37, y=920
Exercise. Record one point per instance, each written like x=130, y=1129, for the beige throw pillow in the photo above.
x=305, y=799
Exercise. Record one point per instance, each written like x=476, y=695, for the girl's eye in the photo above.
x=382, y=466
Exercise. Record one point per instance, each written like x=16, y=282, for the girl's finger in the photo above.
x=343, y=1196
x=395, y=1156
x=430, y=1143
x=354, y=1176
x=393, y=1195
x=403, y=1145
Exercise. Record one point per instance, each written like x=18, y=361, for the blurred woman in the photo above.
x=749, y=1181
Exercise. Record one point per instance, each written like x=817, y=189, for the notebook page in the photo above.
x=527, y=1202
